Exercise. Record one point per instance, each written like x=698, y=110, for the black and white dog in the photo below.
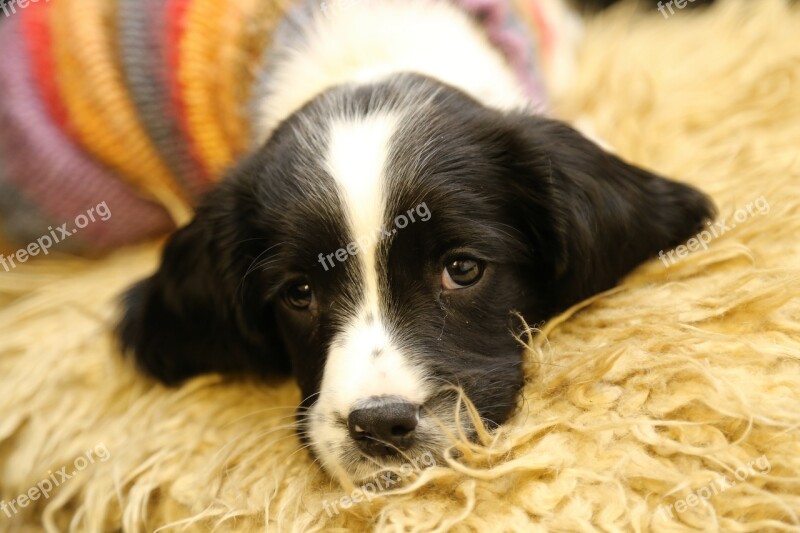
x=404, y=210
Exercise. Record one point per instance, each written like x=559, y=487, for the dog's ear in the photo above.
x=193, y=316
x=593, y=217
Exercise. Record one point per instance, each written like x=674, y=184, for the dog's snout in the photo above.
x=384, y=425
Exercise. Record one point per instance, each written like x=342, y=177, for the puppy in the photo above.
x=403, y=211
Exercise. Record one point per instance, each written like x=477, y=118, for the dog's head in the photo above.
x=382, y=246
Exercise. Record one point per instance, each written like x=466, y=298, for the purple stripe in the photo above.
x=141, y=46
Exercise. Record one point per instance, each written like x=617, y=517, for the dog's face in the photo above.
x=384, y=246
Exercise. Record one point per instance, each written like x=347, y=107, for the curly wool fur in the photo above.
x=634, y=400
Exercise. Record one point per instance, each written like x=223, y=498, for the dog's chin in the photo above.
x=360, y=467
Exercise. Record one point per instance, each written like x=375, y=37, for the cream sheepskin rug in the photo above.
x=671, y=403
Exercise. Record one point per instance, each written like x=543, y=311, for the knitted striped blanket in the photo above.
x=143, y=104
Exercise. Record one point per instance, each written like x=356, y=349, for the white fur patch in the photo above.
x=366, y=41
x=357, y=153
x=363, y=360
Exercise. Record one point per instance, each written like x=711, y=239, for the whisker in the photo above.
x=253, y=266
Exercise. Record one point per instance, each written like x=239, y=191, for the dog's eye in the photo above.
x=461, y=272
x=300, y=295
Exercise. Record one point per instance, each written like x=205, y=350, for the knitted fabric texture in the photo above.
x=142, y=49
x=143, y=104
x=51, y=174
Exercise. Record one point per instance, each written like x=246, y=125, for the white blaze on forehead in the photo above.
x=357, y=153
x=363, y=361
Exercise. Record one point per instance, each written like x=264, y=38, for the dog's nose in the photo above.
x=384, y=425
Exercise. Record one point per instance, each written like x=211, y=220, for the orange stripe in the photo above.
x=198, y=76
x=542, y=30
